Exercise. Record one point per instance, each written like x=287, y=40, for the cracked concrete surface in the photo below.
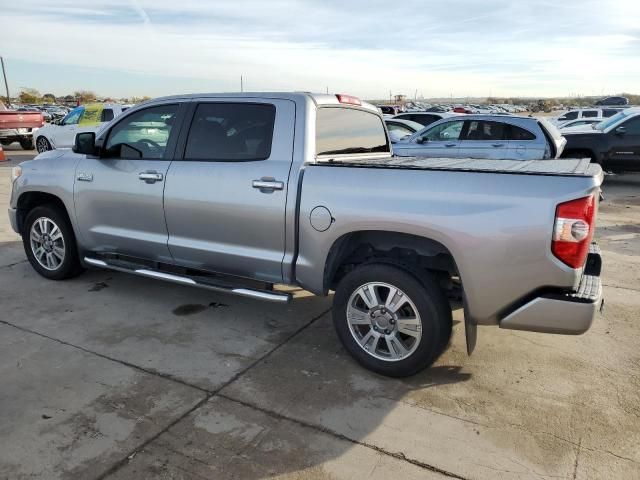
x=113, y=376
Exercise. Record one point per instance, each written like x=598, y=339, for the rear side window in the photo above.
x=609, y=112
x=107, y=115
x=517, y=133
x=347, y=130
x=589, y=114
x=231, y=132
x=569, y=116
x=481, y=130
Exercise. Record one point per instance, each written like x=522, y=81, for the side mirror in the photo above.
x=422, y=139
x=85, y=143
x=621, y=131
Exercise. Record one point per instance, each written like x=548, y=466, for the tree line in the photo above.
x=32, y=96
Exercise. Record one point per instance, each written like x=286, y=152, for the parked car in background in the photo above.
x=238, y=192
x=84, y=118
x=485, y=136
x=609, y=101
x=19, y=126
x=614, y=143
x=462, y=109
x=580, y=113
x=389, y=109
x=583, y=122
x=424, y=118
x=399, y=129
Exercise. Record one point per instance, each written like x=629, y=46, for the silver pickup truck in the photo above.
x=238, y=192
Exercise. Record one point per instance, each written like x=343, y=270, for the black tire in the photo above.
x=431, y=305
x=42, y=144
x=70, y=265
x=26, y=143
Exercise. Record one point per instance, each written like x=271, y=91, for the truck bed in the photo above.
x=561, y=167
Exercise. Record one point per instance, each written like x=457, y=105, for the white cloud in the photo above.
x=367, y=48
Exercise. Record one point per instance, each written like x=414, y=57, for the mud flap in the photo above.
x=470, y=329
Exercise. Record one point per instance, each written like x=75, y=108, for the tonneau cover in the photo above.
x=569, y=166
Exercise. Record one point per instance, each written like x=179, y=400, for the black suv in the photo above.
x=614, y=143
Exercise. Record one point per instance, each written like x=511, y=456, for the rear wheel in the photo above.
x=43, y=145
x=390, y=320
x=27, y=143
x=50, y=244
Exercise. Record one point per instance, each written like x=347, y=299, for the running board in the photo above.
x=170, y=277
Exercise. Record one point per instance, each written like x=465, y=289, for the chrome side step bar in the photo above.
x=170, y=277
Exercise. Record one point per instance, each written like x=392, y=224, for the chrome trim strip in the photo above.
x=272, y=297
x=243, y=292
x=165, y=276
x=95, y=262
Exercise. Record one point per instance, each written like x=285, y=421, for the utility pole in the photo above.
x=241, y=84
x=6, y=85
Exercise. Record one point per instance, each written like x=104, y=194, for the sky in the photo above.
x=368, y=48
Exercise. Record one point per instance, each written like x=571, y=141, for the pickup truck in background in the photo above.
x=19, y=126
x=613, y=143
x=238, y=192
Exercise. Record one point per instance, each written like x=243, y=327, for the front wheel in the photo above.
x=43, y=145
x=50, y=244
x=391, y=321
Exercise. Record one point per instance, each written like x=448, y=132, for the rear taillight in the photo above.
x=573, y=230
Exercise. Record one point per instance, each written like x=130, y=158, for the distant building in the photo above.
x=400, y=99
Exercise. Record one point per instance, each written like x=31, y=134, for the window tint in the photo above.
x=396, y=127
x=231, y=131
x=143, y=134
x=517, y=133
x=107, y=115
x=444, y=131
x=632, y=126
x=569, y=116
x=73, y=117
x=424, y=119
x=589, y=113
x=609, y=112
x=347, y=130
x=482, y=130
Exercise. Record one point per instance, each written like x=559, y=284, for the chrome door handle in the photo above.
x=267, y=184
x=150, y=176
x=497, y=145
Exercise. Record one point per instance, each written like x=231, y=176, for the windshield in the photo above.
x=603, y=125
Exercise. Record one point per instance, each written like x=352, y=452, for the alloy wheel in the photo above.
x=47, y=243
x=384, y=321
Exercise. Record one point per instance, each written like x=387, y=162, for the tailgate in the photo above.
x=9, y=119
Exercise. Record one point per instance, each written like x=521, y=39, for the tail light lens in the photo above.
x=573, y=231
x=348, y=99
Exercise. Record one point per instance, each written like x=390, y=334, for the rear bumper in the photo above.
x=570, y=313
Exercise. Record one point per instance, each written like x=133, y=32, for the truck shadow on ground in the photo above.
x=284, y=395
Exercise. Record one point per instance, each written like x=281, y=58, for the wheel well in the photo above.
x=418, y=253
x=30, y=200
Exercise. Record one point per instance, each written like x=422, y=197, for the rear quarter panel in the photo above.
x=498, y=227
